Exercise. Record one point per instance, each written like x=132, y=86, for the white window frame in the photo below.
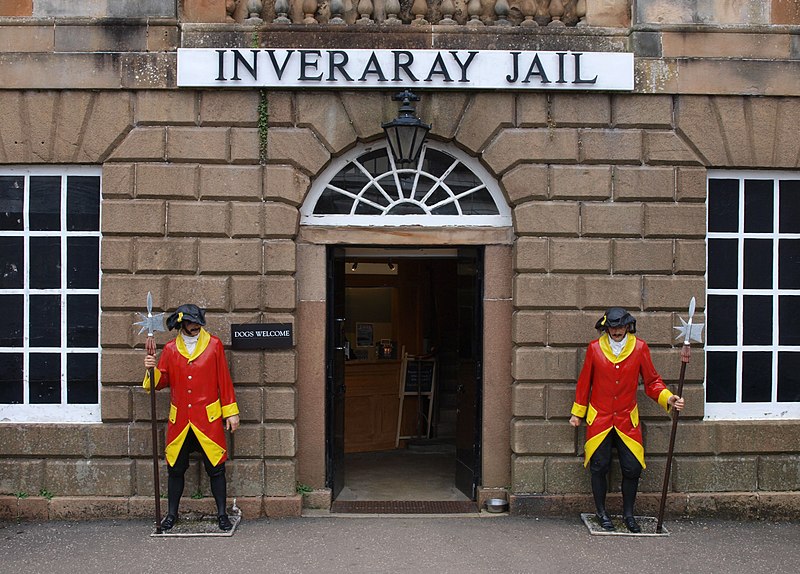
x=63, y=412
x=756, y=410
x=320, y=185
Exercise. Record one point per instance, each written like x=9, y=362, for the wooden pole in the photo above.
x=150, y=346
x=676, y=413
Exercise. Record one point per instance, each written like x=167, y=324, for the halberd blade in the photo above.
x=150, y=322
x=690, y=331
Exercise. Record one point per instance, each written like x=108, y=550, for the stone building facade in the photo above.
x=202, y=193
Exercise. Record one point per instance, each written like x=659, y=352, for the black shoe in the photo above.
x=631, y=523
x=605, y=521
x=224, y=522
x=168, y=522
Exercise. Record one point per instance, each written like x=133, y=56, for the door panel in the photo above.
x=470, y=370
x=335, y=358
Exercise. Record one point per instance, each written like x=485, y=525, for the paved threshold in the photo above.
x=437, y=507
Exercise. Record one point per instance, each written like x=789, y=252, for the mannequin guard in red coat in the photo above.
x=194, y=367
x=606, y=397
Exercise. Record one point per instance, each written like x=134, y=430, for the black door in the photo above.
x=470, y=370
x=334, y=366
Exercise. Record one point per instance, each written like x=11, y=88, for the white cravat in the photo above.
x=616, y=348
x=191, y=342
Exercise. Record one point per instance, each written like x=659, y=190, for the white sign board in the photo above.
x=436, y=69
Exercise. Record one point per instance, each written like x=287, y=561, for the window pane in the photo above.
x=789, y=263
x=439, y=195
x=756, y=377
x=758, y=205
x=757, y=263
x=82, y=329
x=788, y=322
x=45, y=207
x=462, y=179
x=388, y=185
x=446, y=209
x=45, y=271
x=332, y=203
x=375, y=162
x=12, y=191
x=45, y=320
x=789, y=216
x=721, y=319
x=437, y=162
x=83, y=203
x=351, y=178
x=11, y=311
x=788, y=377
x=757, y=320
x=366, y=209
x=720, y=377
x=83, y=262
x=12, y=263
x=407, y=181
x=82, y=378
x=478, y=203
x=45, y=378
x=723, y=205
x=11, y=378
x=723, y=263
x=375, y=196
x=405, y=208
x=424, y=185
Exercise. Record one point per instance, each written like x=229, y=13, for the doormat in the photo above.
x=648, y=524
x=404, y=507
x=195, y=524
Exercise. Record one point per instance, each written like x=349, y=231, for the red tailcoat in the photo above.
x=201, y=395
x=606, y=393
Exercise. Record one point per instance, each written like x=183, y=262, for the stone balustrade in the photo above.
x=469, y=13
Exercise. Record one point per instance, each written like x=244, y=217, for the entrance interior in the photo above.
x=404, y=373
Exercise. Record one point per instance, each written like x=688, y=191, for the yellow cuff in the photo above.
x=146, y=381
x=578, y=410
x=230, y=410
x=663, y=399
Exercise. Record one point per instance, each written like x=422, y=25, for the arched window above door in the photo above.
x=367, y=188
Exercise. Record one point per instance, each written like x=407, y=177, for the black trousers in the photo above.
x=176, y=473
x=600, y=464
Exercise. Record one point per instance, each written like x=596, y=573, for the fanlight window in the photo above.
x=369, y=188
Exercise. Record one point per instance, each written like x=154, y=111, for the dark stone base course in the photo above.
x=722, y=505
x=136, y=507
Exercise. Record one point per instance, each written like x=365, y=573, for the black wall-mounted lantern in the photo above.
x=406, y=133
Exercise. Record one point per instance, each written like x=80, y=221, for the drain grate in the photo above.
x=404, y=506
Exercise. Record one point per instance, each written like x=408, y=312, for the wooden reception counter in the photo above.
x=372, y=402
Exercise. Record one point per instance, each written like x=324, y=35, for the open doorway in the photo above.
x=404, y=373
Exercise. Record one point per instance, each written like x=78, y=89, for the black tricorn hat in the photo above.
x=616, y=317
x=188, y=312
